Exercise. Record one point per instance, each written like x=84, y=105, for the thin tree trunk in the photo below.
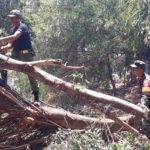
x=110, y=76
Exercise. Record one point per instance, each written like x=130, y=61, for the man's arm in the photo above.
x=11, y=38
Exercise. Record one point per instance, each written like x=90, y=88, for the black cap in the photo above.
x=138, y=64
x=14, y=13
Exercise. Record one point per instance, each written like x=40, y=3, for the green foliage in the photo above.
x=90, y=140
x=116, y=147
x=20, y=83
x=74, y=140
x=147, y=146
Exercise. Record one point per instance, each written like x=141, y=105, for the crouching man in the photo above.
x=138, y=70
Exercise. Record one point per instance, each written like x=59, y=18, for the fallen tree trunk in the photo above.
x=83, y=93
x=15, y=106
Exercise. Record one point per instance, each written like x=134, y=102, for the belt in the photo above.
x=24, y=51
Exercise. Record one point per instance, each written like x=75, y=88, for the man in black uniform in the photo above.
x=19, y=40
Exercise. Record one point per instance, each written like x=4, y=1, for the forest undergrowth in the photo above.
x=95, y=139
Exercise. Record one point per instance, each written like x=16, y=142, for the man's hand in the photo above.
x=5, y=47
x=1, y=48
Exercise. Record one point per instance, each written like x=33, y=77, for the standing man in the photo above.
x=19, y=40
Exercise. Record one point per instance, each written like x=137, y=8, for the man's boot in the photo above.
x=4, y=76
x=36, y=98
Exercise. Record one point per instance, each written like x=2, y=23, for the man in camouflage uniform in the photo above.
x=138, y=70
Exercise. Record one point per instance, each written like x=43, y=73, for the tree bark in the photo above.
x=11, y=103
x=83, y=93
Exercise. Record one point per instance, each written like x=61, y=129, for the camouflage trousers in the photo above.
x=145, y=100
x=145, y=122
x=25, y=57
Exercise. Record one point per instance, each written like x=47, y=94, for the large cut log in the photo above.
x=86, y=94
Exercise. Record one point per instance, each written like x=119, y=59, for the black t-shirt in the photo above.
x=24, y=41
